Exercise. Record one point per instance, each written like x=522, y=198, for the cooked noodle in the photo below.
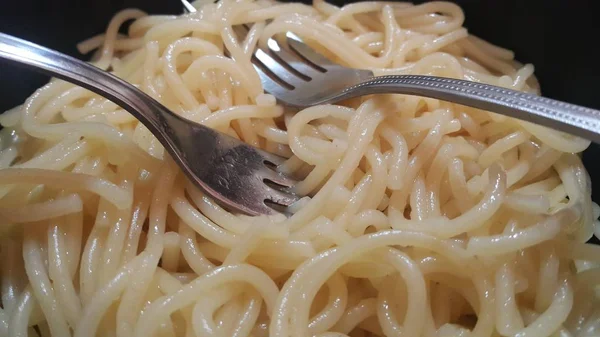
x=423, y=217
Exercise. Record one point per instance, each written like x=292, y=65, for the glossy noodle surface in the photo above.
x=422, y=217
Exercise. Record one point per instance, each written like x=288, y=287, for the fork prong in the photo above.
x=277, y=178
x=188, y=6
x=260, y=207
x=278, y=69
x=291, y=60
x=271, y=158
x=281, y=197
x=306, y=52
x=269, y=85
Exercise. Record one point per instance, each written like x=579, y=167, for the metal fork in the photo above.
x=300, y=77
x=230, y=171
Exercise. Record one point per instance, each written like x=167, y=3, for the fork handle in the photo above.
x=570, y=118
x=157, y=118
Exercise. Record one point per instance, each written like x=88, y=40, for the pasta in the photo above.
x=422, y=217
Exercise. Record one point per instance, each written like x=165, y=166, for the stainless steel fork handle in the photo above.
x=231, y=172
x=570, y=118
x=152, y=114
x=162, y=122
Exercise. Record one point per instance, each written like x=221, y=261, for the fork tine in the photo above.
x=269, y=85
x=278, y=69
x=188, y=6
x=283, y=74
x=281, y=197
x=260, y=207
x=278, y=178
x=271, y=158
x=269, y=172
x=307, y=52
x=292, y=60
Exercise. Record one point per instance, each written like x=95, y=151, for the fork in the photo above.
x=235, y=174
x=298, y=76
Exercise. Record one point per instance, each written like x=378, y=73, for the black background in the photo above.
x=559, y=37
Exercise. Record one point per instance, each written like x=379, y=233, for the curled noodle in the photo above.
x=420, y=217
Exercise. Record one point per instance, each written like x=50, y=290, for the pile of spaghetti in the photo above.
x=422, y=217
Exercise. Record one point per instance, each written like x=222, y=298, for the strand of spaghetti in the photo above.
x=59, y=274
x=171, y=251
x=252, y=38
x=578, y=251
x=328, y=261
x=45, y=210
x=73, y=226
x=351, y=159
x=236, y=224
x=138, y=217
x=201, y=224
x=91, y=261
x=555, y=139
x=42, y=287
x=228, y=315
x=13, y=274
x=122, y=43
x=249, y=316
x=551, y=319
x=150, y=66
x=100, y=132
x=240, y=273
x=364, y=309
x=105, y=296
x=111, y=35
x=415, y=286
x=548, y=280
x=20, y=317
x=422, y=153
x=248, y=243
x=133, y=296
x=49, y=110
x=376, y=192
x=177, y=81
x=435, y=174
x=399, y=160
x=521, y=239
x=204, y=310
x=114, y=240
x=508, y=318
x=367, y=218
x=328, y=38
x=489, y=212
x=271, y=12
x=471, y=219
x=334, y=309
x=61, y=155
x=59, y=179
x=349, y=10
x=190, y=251
x=58, y=157
x=177, y=28
x=493, y=152
x=458, y=184
x=249, y=81
x=224, y=117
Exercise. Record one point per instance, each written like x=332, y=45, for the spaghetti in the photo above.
x=423, y=217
